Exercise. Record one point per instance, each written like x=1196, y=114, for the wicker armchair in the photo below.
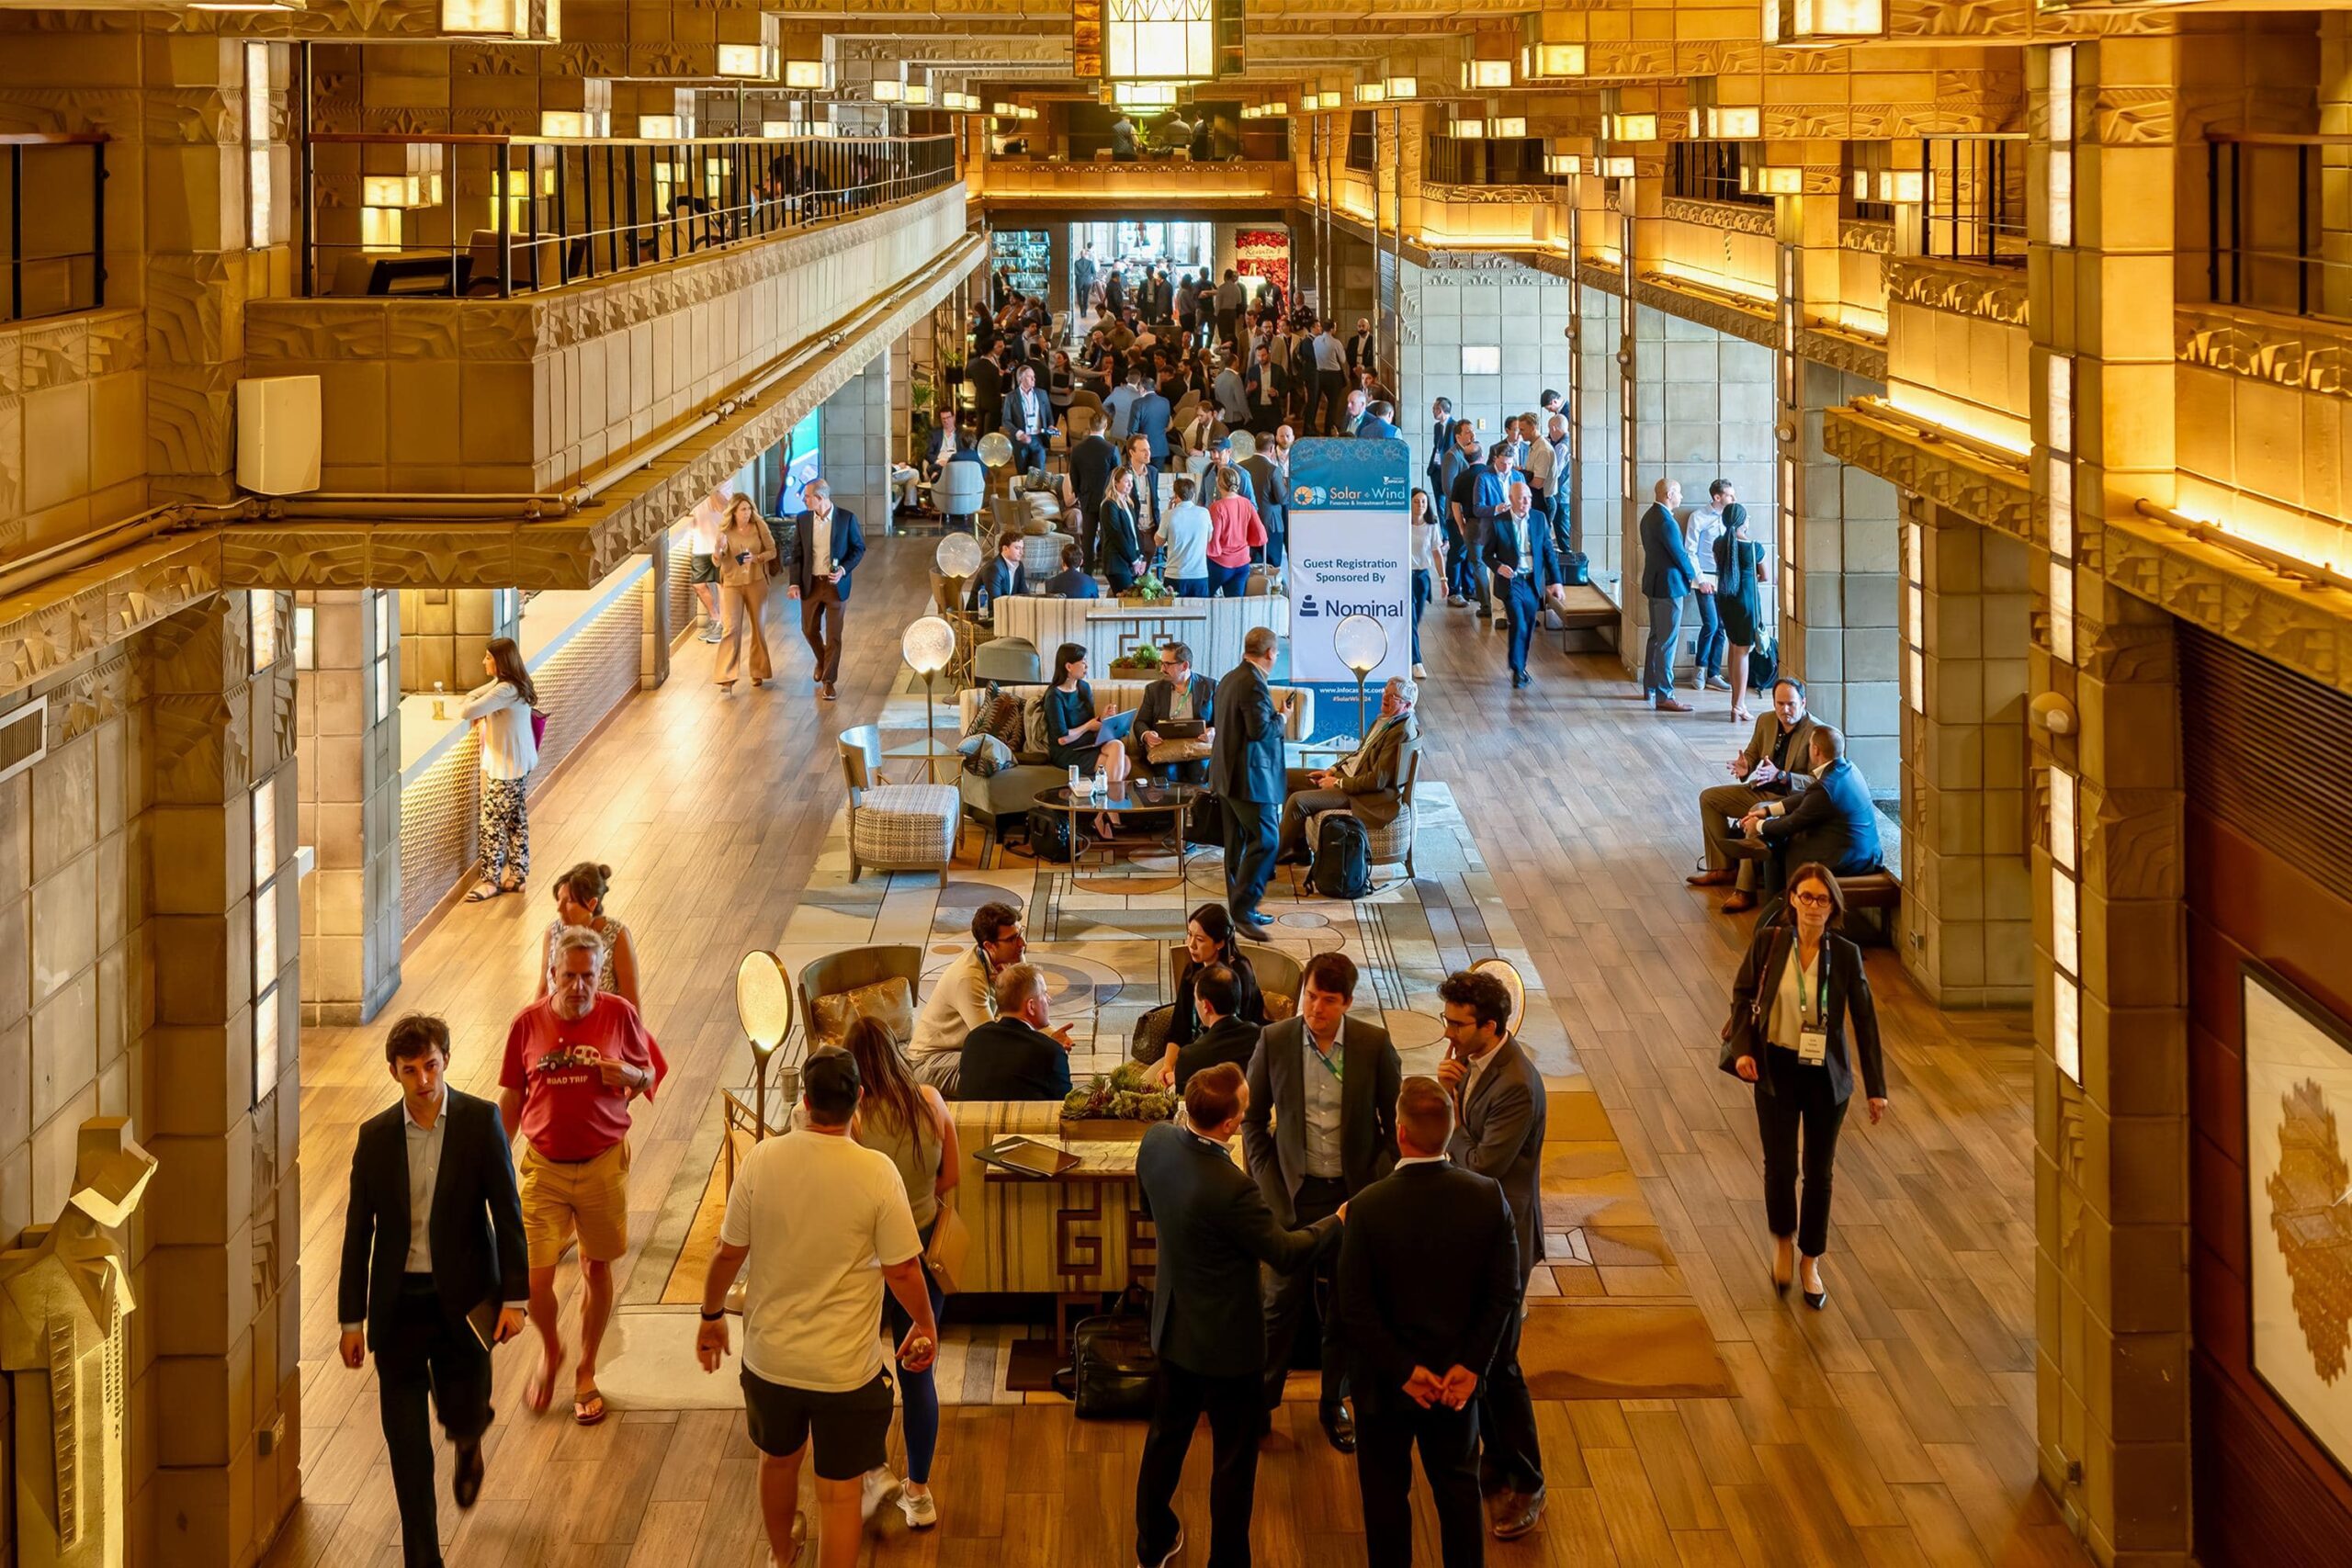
x=1392, y=845
x=894, y=827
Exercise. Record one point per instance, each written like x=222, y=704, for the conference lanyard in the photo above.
x=1812, y=1032
x=1332, y=1063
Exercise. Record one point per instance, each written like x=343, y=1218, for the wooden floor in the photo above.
x=1894, y=1430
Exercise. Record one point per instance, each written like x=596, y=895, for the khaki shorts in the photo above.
x=591, y=1197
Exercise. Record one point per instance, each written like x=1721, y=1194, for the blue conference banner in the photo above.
x=1349, y=553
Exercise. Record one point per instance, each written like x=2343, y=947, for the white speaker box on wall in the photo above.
x=277, y=433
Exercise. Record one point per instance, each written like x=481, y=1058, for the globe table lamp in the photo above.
x=957, y=556
x=1242, y=445
x=996, y=449
x=1360, y=643
x=928, y=645
x=764, y=1007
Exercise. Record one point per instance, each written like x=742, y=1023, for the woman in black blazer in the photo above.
x=1208, y=939
x=1801, y=995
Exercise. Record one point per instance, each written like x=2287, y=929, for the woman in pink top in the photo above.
x=1235, y=529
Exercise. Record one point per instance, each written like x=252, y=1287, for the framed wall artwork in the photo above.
x=2299, y=1204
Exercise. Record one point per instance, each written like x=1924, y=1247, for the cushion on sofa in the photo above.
x=890, y=1003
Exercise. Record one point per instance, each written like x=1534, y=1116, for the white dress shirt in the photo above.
x=423, y=1176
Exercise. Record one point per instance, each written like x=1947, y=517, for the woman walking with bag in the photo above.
x=745, y=549
x=908, y=1122
x=1799, y=995
x=1739, y=601
x=503, y=712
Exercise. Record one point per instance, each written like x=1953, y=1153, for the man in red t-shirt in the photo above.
x=574, y=1060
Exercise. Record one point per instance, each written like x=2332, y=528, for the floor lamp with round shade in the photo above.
x=928, y=644
x=1360, y=644
x=764, y=1007
x=957, y=556
x=1244, y=446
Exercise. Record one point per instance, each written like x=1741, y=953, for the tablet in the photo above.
x=1026, y=1156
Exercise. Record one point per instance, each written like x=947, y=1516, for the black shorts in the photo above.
x=703, y=567
x=851, y=1429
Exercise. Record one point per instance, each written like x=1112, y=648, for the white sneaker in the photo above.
x=1419, y=673
x=922, y=1512
x=878, y=1488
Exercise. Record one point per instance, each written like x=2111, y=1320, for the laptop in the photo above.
x=1180, y=728
x=1115, y=728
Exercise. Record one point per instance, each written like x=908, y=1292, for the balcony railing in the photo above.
x=57, y=204
x=1975, y=205
x=2264, y=244
x=492, y=215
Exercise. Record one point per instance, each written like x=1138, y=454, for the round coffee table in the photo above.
x=1125, y=802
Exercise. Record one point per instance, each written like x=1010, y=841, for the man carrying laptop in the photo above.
x=1172, y=724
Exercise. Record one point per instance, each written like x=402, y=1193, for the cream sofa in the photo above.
x=1010, y=792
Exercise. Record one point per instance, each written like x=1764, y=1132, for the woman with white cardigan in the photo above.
x=500, y=711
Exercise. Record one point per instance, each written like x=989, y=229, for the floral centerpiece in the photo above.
x=1127, y=1098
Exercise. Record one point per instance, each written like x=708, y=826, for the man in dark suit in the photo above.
x=1000, y=576
x=1027, y=421
x=1214, y=1231
x=1667, y=576
x=1527, y=572
x=1360, y=344
x=1177, y=695
x=1148, y=416
x=1073, y=581
x=1329, y=1084
x=1379, y=423
x=986, y=373
x=1499, y=1100
x=432, y=1244
x=1082, y=281
x=1245, y=774
x=1091, y=463
x=1429, y=1275
x=1440, y=438
x=1015, y=1054
x=944, y=445
x=1832, y=820
x=1368, y=782
x=825, y=549
x=1770, y=767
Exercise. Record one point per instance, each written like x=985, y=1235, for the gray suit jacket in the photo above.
x=1500, y=1134
x=1370, y=1077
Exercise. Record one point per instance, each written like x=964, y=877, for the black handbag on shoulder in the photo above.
x=1763, y=664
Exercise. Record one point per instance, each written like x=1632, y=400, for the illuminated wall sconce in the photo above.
x=1466, y=130
x=1620, y=167
x=1770, y=179
x=659, y=127
x=514, y=187
x=571, y=125
x=1562, y=163
x=814, y=74
x=530, y=20
x=1506, y=126
x=1739, y=122
x=1482, y=361
x=1551, y=61
x=1372, y=92
x=379, y=227
x=888, y=89
x=1485, y=76
x=1906, y=185
x=1003, y=110
x=917, y=94
x=390, y=190
x=1802, y=24
x=1629, y=126
x=778, y=129
x=1402, y=87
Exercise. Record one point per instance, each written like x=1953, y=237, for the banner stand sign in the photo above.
x=1350, y=553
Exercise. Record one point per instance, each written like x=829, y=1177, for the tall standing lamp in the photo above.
x=928, y=644
x=1360, y=643
x=764, y=1007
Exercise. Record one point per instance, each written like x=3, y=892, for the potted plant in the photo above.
x=1121, y=1105
x=1148, y=590
x=1140, y=663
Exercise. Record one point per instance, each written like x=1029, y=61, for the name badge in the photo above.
x=1813, y=1047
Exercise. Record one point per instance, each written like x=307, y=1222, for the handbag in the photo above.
x=951, y=1242
x=538, y=727
x=1113, y=1367
x=1763, y=664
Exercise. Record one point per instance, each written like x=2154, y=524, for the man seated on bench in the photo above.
x=1771, y=766
x=1833, y=820
x=1368, y=780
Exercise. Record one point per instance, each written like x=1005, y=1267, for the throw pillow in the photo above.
x=1032, y=728
x=890, y=1003
x=985, y=756
x=1005, y=720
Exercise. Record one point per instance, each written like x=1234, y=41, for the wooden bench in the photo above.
x=1875, y=890
x=1588, y=609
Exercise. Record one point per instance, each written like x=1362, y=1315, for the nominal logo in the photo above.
x=1309, y=610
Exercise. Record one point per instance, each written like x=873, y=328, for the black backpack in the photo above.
x=1049, y=836
x=1342, y=866
x=1579, y=569
x=1763, y=663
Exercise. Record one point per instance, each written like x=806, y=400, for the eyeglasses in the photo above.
x=1812, y=901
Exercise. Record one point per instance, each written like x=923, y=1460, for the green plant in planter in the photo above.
x=1143, y=655
x=922, y=395
x=1127, y=1094
x=1150, y=588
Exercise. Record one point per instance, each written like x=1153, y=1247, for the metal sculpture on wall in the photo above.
x=64, y=1296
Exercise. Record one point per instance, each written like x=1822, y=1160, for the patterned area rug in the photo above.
x=1609, y=1314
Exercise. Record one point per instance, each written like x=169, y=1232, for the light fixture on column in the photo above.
x=1160, y=41
x=1403, y=84
x=764, y=1007
x=808, y=65
x=928, y=645
x=1542, y=57
x=1818, y=24
x=1466, y=127
x=535, y=21
x=1360, y=643
x=1370, y=90
x=1772, y=179
x=1487, y=60
x=757, y=54
x=887, y=89
x=1503, y=122
x=916, y=94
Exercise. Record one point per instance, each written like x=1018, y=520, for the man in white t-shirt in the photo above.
x=704, y=524
x=1699, y=532
x=825, y=1224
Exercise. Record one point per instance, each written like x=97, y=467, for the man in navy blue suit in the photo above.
x=1378, y=425
x=825, y=547
x=1526, y=572
x=1148, y=416
x=1245, y=774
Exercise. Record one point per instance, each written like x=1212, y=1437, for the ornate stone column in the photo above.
x=857, y=444
x=348, y=745
x=2111, y=1228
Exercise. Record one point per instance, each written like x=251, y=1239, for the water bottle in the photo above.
x=1101, y=781
x=983, y=602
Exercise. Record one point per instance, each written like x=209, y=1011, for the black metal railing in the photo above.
x=489, y=216
x=2264, y=247
x=1975, y=200
x=1487, y=161
x=1710, y=171
x=57, y=223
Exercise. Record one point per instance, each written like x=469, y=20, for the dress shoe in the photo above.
x=1510, y=1514
x=1253, y=928
x=1339, y=1428
x=1170, y=1556
x=466, y=1484
x=1667, y=705
x=1739, y=903
x=1712, y=879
